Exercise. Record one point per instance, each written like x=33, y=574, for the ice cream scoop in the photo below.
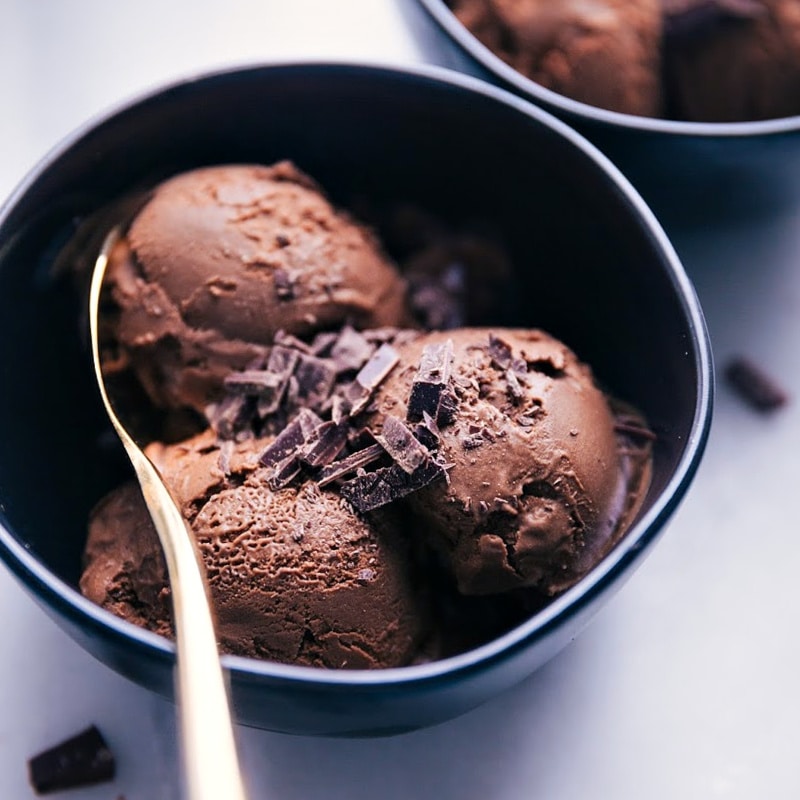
x=212, y=767
x=221, y=258
x=539, y=483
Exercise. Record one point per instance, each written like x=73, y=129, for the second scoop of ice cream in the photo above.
x=537, y=487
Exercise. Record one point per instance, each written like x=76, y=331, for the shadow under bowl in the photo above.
x=690, y=173
x=592, y=266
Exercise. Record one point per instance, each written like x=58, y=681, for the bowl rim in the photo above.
x=578, y=110
x=54, y=591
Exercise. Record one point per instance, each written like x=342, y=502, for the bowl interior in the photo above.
x=588, y=268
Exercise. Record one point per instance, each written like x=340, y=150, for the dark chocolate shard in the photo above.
x=448, y=408
x=83, y=760
x=281, y=364
x=289, y=441
x=229, y=416
x=284, y=285
x=346, y=466
x=351, y=350
x=284, y=473
x=315, y=380
x=329, y=441
x=515, y=389
x=499, y=352
x=686, y=21
x=224, y=458
x=473, y=441
x=754, y=385
x=287, y=340
x=371, y=375
x=430, y=381
x=387, y=484
x=323, y=343
x=251, y=382
x=427, y=432
x=400, y=443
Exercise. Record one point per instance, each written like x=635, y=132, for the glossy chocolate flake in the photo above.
x=82, y=760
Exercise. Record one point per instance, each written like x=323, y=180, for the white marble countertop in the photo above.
x=685, y=685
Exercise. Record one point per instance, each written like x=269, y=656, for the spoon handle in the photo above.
x=209, y=750
x=211, y=763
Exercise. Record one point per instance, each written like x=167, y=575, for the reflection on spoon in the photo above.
x=209, y=751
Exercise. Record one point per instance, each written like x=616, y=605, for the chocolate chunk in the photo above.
x=351, y=350
x=430, y=381
x=284, y=285
x=330, y=441
x=287, y=340
x=250, y=382
x=515, y=390
x=499, y=352
x=473, y=441
x=83, y=760
x=399, y=442
x=322, y=343
x=281, y=364
x=284, y=473
x=352, y=463
x=289, y=441
x=387, y=484
x=427, y=432
x=315, y=380
x=229, y=416
x=371, y=375
x=754, y=385
x=686, y=21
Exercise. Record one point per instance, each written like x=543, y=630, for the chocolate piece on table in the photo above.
x=499, y=352
x=758, y=388
x=431, y=381
x=82, y=760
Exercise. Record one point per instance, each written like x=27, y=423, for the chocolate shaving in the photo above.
x=351, y=350
x=345, y=466
x=430, y=382
x=287, y=340
x=755, y=386
x=387, y=484
x=315, y=381
x=514, y=386
x=284, y=285
x=400, y=443
x=288, y=442
x=330, y=441
x=371, y=375
x=284, y=473
x=83, y=760
x=499, y=352
x=224, y=458
x=229, y=415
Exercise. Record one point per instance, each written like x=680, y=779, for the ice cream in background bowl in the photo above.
x=322, y=417
x=685, y=96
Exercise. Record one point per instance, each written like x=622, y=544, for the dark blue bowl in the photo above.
x=690, y=173
x=593, y=267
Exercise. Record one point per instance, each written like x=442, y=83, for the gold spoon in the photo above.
x=209, y=752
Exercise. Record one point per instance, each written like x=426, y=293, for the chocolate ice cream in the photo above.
x=602, y=52
x=351, y=487
x=732, y=60
x=539, y=482
x=294, y=574
x=695, y=60
x=220, y=259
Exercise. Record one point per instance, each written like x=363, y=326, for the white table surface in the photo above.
x=684, y=687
